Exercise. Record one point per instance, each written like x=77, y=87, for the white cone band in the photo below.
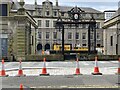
x=44, y=65
x=77, y=63
x=96, y=64
x=20, y=66
x=2, y=66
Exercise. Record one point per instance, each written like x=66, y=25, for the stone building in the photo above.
x=20, y=26
x=16, y=31
x=109, y=14
x=112, y=35
x=3, y=31
x=46, y=16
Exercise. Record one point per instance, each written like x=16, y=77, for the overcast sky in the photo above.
x=97, y=4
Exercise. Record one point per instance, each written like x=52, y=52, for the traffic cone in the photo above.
x=77, y=72
x=118, y=71
x=2, y=72
x=21, y=86
x=20, y=71
x=96, y=68
x=44, y=70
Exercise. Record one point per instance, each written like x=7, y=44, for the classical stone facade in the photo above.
x=46, y=16
x=18, y=31
x=25, y=39
x=112, y=35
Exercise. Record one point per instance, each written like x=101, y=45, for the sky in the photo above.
x=101, y=5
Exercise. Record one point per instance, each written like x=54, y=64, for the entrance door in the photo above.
x=39, y=47
x=47, y=47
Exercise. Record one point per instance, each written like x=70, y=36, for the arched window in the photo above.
x=47, y=47
x=39, y=47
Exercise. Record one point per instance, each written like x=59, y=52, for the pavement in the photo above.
x=61, y=68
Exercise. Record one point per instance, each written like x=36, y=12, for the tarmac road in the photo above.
x=61, y=76
x=68, y=82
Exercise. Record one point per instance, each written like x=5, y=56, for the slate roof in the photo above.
x=62, y=8
x=86, y=9
x=29, y=6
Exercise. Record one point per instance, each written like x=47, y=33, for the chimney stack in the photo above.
x=56, y=2
x=35, y=2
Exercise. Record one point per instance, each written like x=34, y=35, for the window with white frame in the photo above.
x=39, y=23
x=83, y=36
x=54, y=23
x=54, y=35
x=77, y=35
x=39, y=35
x=39, y=12
x=47, y=13
x=98, y=36
x=55, y=13
x=47, y=23
x=47, y=35
x=69, y=35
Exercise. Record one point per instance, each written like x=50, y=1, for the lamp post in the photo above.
x=60, y=26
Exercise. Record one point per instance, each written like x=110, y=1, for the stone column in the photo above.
x=21, y=41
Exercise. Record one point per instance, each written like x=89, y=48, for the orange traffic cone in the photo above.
x=2, y=72
x=20, y=71
x=77, y=72
x=21, y=86
x=44, y=70
x=96, y=68
x=118, y=71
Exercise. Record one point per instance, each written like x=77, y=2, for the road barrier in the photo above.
x=96, y=68
x=2, y=72
x=118, y=71
x=21, y=86
x=44, y=70
x=77, y=72
x=20, y=71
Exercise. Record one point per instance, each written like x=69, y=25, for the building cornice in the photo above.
x=111, y=22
